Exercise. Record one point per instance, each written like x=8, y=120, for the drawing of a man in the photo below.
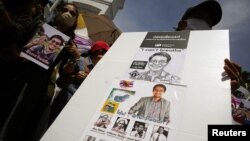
x=156, y=73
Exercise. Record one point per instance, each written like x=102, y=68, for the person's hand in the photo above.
x=69, y=68
x=81, y=75
x=72, y=50
x=247, y=114
x=240, y=112
x=233, y=71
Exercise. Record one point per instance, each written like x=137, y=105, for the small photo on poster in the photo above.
x=103, y=121
x=120, y=95
x=110, y=107
x=139, y=129
x=89, y=138
x=121, y=125
x=159, y=133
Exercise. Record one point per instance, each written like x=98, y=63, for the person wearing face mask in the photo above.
x=201, y=17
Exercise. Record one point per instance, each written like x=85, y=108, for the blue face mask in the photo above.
x=197, y=24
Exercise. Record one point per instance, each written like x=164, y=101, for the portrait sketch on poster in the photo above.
x=44, y=46
x=132, y=110
x=160, y=58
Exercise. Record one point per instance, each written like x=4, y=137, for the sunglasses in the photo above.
x=72, y=13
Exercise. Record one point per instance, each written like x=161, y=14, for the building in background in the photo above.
x=108, y=8
x=92, y=8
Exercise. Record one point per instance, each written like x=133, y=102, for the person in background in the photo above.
x=201, y=17
x=73, y=74
x=15, y=20
x=30, y=86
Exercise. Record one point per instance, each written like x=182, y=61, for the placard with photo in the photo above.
x=45, y=46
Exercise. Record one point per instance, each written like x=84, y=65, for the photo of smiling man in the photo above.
x=47, y=52
x=154, y=107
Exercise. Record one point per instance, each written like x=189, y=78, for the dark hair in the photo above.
x=58, y=37
x=160, y=85
x=164, y=54
x=159, y=128
x=76, y=10
x=142, y=124
x=71, y=32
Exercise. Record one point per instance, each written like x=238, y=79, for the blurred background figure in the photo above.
x=74, y=74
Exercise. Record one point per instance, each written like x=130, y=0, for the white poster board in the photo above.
x=207, y=98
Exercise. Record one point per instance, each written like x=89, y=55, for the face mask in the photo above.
x=68, y=19
x=197, y=24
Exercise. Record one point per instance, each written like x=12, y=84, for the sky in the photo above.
x=163, y=15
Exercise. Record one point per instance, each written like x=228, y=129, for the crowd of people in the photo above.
x=26, y=89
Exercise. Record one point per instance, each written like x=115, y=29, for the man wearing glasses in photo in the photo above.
x=154, y=108
x=46, y=52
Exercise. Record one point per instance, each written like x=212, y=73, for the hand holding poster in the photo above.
x=44, y=46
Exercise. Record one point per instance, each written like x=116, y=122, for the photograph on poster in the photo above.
x=139, y=129
x=103, y=121
x=110, y=107
x=89, y=138
x=44, y=46
x=159, y=133
x=121, y=125
x=120, y=95
x=154, y=107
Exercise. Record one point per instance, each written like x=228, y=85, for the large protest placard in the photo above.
x=109, y=98
x=44, y=46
